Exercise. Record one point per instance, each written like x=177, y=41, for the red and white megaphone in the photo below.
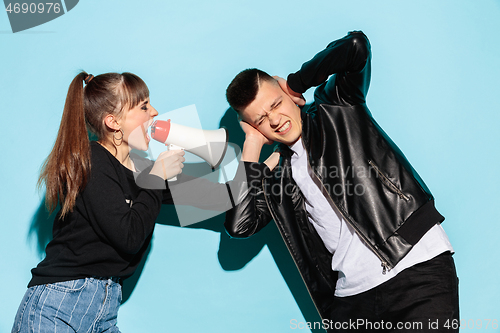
x=210, y=145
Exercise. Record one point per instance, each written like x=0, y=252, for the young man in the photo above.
x=357, y=219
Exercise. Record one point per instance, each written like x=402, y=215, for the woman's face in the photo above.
x=135, y=123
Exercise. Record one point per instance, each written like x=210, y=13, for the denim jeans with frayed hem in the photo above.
x=84, y=305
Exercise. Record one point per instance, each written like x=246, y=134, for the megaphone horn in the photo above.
x=210, y=145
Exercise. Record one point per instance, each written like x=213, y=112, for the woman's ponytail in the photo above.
x=66, y=170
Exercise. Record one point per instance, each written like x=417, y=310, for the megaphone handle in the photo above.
x=169, y=148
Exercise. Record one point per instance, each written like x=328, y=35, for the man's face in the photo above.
x=274, y=114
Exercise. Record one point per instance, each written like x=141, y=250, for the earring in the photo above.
x=120, y=139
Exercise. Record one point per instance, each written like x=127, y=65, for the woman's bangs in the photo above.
x=134, y=90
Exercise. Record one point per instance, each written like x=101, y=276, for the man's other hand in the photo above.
x=296, y=97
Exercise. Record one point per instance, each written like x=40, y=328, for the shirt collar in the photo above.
x=298, y=148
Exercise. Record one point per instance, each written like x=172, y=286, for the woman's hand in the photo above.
x=168, y=164
x=296, y=97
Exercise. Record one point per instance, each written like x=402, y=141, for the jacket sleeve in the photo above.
x=348, y=61
x=251, y=212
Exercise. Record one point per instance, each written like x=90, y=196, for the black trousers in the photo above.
x=422, y=298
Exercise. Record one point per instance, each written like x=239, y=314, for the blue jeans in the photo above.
x=84, y=305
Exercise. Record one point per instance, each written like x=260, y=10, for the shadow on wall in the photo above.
x=233, y=254
x=41, y=227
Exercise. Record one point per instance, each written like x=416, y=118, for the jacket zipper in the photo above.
x=388, y=182
x=384, y=264
x=289, y=250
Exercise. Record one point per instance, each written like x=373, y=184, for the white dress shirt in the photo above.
x=359, y=268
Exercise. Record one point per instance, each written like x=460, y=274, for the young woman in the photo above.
x=106, y=219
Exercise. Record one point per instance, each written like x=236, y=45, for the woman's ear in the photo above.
x=111, y=122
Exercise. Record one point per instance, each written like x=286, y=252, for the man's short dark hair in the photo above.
x=244, y=88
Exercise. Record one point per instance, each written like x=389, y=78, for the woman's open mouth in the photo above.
x=147, y=133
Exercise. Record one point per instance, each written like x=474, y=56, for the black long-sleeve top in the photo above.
x=112, y=222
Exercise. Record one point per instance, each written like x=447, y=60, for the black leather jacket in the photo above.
x=361, y=170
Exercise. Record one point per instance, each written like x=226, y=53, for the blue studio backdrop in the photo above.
x=434, y=90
